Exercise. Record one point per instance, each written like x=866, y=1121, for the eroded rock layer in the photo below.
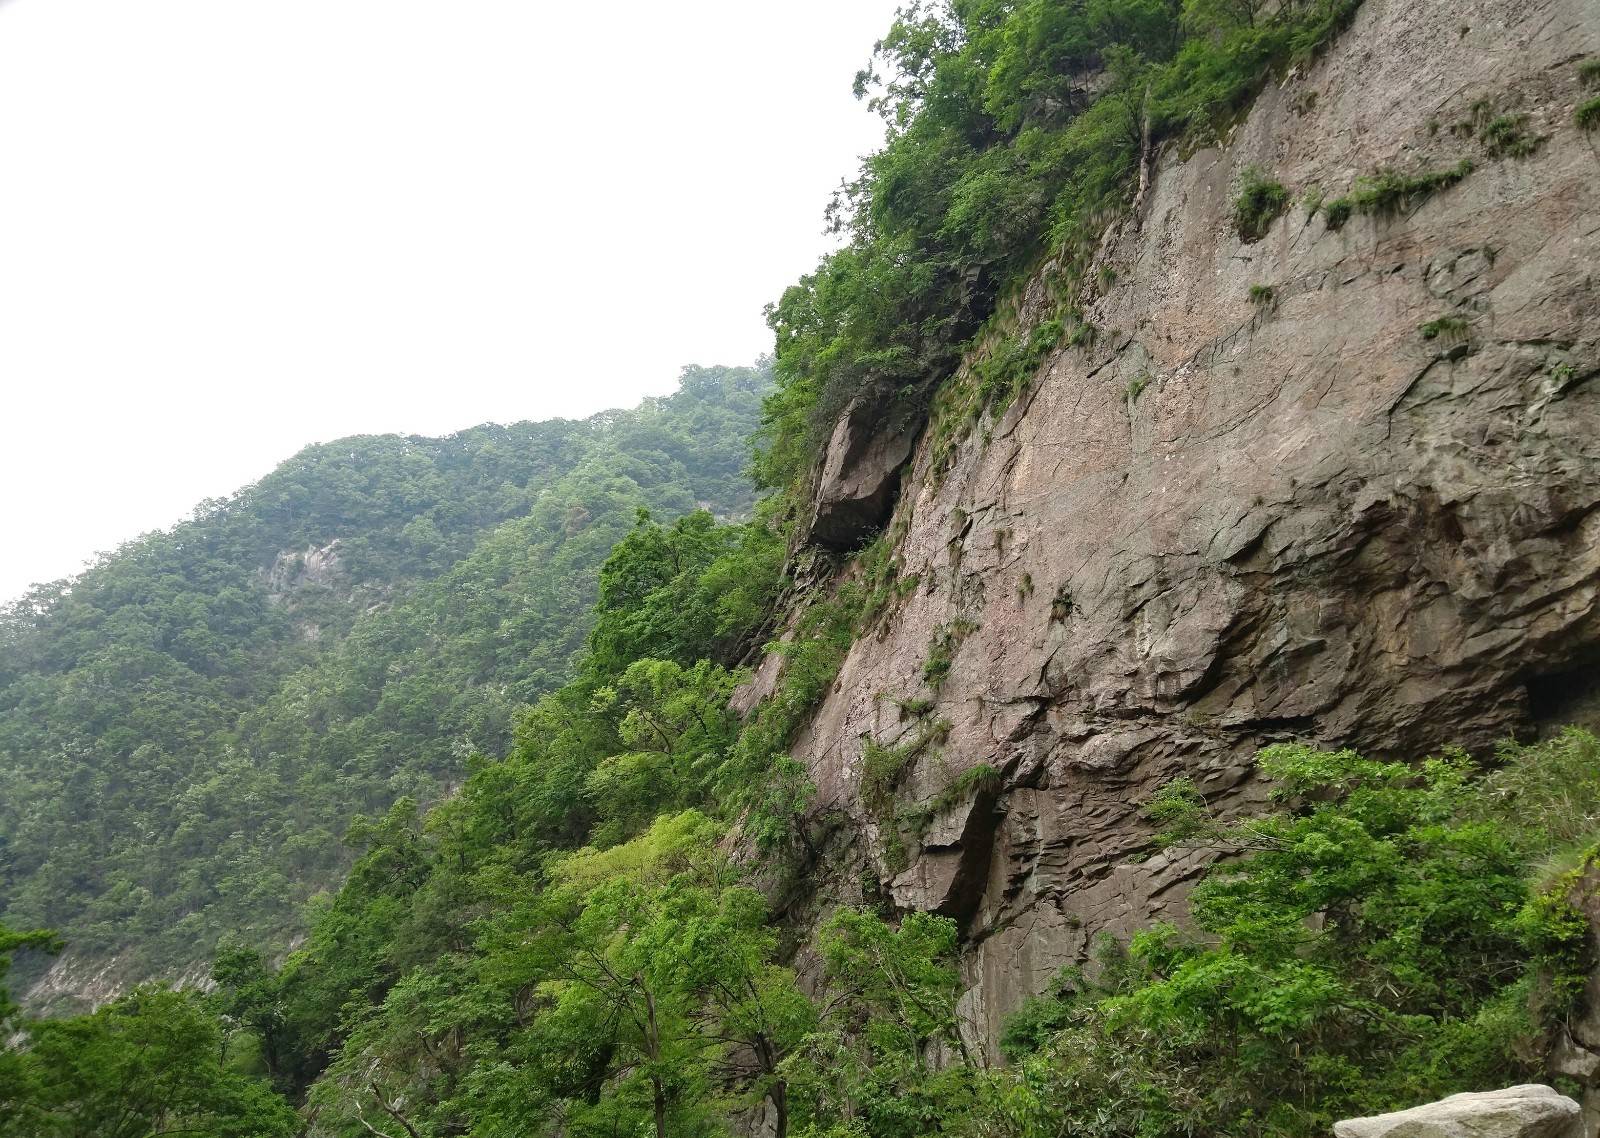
x=1247, y=514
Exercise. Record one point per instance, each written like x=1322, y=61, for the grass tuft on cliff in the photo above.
x=1390, y=192
x=1259, y=203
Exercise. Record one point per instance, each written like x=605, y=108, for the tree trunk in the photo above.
x=653, y=1050
x=1144, y=157
x=780, y=1106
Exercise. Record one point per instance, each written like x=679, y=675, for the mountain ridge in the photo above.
x=232, y=635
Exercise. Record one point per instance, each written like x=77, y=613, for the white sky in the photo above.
x=229, y=228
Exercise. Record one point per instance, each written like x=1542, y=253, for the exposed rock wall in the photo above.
x=295, y=569
x=1227, y=523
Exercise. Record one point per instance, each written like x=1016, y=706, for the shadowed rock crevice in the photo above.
x=1570, y=696
x=861, y=470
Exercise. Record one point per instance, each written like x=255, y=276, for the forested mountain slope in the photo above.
x=186, y=728
x=1178, y=560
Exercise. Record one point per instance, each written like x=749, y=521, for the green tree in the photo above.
x=149, y=1064
x=889, y=1059
x=249, y=997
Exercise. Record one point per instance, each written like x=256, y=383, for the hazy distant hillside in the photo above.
x=185, y=728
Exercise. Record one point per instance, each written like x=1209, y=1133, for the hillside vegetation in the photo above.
x=186, y=729
x=567, y=947
x=1015, y=130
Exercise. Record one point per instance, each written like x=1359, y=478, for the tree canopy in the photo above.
x=186, y=728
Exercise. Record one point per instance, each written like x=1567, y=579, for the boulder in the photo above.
x=1531, y=1111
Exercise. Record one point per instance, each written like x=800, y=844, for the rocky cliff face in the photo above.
x=1234, y=519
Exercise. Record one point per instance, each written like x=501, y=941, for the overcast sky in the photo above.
x=229, y=228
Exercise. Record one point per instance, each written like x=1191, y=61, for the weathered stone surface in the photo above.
x=860, y=473
x=950, y=875
x=1531, y=1111
x=1310, y=522
x=294, y=569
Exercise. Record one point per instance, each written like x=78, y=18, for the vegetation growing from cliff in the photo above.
x=1390, y=935
x=1389, y=191
x=1444, y=328
x=1013, y=130
x=1260, y=201
x=186, y=728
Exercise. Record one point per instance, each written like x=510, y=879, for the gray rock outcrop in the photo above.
x=1531, y=1111
x=1226, y=522
x=294, y=569
x=861, y=470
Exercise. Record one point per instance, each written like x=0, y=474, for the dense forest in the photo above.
x=186, y=729
x=586, y=937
